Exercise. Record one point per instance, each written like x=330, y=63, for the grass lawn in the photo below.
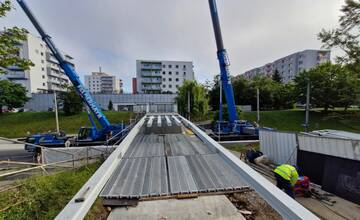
x=292, y=120
x=14, y=125
x=43, y=197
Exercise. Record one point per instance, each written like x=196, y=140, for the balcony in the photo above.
x=151, y=66
x=15, y=75
x=152, y=87
x=151, y=80
x=151, y=74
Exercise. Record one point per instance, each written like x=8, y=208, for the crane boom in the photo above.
x=224, y=64
x=68, y=69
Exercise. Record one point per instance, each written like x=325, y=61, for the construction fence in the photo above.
x=333, y=163
x=58, y=155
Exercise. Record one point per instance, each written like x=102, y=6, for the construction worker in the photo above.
x=286, y=177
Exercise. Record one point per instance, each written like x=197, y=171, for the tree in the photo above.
x=331, y=85
x=72, y=102
x=283, y=96
x=346, y=36
x=214, y=93
x=276, y=76
x=266, y=86
x=198, y=99
x=273, y=95
x=12, y=95
x=9, y=41
x=110, y=106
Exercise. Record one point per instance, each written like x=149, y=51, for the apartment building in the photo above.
x=100, y=82
x=162, y=76
x=290, y=66
x=46, y=74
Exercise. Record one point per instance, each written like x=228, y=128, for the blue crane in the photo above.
x=234, y=125
x=86, y=134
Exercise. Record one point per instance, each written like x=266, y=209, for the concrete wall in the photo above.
x=129, y=102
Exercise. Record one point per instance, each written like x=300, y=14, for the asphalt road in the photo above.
x=14, y=152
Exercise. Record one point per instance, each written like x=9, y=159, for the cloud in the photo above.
x=113, y=34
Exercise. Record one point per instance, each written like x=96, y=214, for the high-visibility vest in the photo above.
x=287, y=172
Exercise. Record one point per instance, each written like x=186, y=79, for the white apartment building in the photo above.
x=45, y=75
x=290, y=66
x=162, y=76
x=100, y=82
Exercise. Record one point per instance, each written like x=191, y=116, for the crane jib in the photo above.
x=90, y=101
x=68, y=69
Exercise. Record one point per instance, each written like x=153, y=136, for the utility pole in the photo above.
x=258, y=104
x=189, y=104
x=307, y=107
x=56, y=114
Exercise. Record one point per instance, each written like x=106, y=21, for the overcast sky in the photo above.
x=113, y=34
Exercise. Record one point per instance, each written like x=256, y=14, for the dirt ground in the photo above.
x=251, y=201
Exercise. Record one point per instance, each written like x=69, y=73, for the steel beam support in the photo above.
x=168, y=121
x=176, y=120
x=159, y=120
x=287, y=207
x=91, y=189
x=150, y=121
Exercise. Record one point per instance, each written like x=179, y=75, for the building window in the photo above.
x=177, y=86
x=177, y=66
x=177, y=79
x=170, y=79
x=177, y=73
x=163, y=72
x=164, y=79
x=42, y=61
x=170, y=73
x=43, y=84
x=184, y=73
x=184, y=67
x=164, y=86
x=43, y=76
x=42, y=54
x=163, y=66
x=42, y=68
x=170, y=66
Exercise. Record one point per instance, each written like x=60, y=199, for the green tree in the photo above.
x=331, y=85
x=110, y=106
x=10, y=39
x=345, y=37
x=214, y=93
x=199, y=106
x=273, y=95
x=266, y=87
x=12, y=95
x=244, y=94
x=276, y=76
x=72, y=102
x=283, y=96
